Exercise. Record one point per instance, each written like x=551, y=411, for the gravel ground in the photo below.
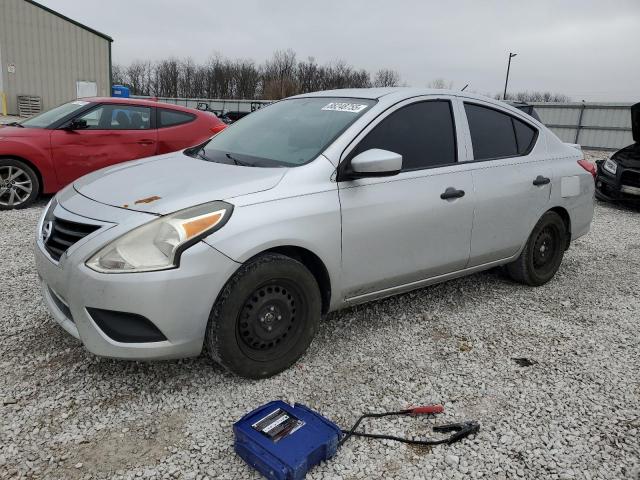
x=573, y=413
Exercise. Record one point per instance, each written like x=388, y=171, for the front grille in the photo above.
x=63, y=234
x=630, y=178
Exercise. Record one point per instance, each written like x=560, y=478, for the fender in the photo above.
x=35, y=151
x=311, y=222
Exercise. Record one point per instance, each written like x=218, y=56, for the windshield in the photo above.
x=51, y=116
x=285, y=134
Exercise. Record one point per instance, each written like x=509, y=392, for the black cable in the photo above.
x=461, y=430
x=398, y=439
x=352, y=431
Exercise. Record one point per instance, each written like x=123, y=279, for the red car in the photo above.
x=48, y=151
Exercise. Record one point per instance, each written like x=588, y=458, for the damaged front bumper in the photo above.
x=142, y=316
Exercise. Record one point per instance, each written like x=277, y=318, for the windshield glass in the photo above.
x=51, y=116
x=286, y=134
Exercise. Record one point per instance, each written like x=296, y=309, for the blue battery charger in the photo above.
x=283, y=442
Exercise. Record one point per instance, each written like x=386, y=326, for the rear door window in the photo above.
x=495, y=134
x=423, y=133
x=171, y=118
x=525, y=136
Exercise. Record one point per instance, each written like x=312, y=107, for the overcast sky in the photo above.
x=587, y=49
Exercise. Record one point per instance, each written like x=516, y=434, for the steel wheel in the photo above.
x=265, y=317
x=266, y=325
x=16, y=186
x=545, y=248
x=543, y=253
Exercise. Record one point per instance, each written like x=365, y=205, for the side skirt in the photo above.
x=389, y=292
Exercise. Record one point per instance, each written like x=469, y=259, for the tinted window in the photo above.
x=524, y=136
x=423, y=133
x=492, y=133
x=169, y=118
x=118, y=117
x=495, y=134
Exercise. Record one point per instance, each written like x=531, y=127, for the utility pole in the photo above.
x=504, y=95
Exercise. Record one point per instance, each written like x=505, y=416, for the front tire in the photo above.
x=543, y=253
x=19, y=184
x=265, y=317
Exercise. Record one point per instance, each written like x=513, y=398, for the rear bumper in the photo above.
x=177, y=302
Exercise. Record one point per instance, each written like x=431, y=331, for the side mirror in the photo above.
x=76, y=124
x=373, y=163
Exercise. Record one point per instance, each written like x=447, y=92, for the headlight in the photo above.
x=610, y=166
x=159, y=244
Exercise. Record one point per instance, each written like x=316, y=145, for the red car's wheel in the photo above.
x=19, y=185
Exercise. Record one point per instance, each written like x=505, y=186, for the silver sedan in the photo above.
x=312, y=204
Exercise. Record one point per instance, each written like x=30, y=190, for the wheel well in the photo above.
x=30, y=165
x=567, y=221
x=315, y=266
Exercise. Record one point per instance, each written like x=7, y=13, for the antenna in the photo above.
x=462, y=90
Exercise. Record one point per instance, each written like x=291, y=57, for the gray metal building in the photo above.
x=46, y=55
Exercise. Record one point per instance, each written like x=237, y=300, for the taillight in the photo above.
x=588, y=166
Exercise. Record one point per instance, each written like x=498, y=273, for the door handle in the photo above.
x=540, y=180
x=146, y=142
x=451, y=193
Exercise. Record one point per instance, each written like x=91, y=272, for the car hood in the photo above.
x=628, y=157
x=167, y=183
x=19, y=132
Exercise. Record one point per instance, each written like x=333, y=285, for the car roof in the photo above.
x=392, y=93
x=138, y=101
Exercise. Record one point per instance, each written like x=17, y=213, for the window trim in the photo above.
x=532, y=145
x=95, y=106
x=345, y=162
x=193, y=116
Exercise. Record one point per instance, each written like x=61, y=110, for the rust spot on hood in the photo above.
x=148, y=199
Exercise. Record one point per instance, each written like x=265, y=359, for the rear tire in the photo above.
x=543, y=253
x=19, y=184
x=265, y=317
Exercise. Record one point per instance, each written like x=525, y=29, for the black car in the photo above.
x=618, y=177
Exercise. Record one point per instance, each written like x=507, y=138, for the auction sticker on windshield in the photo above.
x=345, y=107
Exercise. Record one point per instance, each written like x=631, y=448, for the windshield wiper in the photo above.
x=199, y=153
x=238, y=162
x=14, y=124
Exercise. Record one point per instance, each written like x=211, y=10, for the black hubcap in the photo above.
x=270, y=320
x=545, y=248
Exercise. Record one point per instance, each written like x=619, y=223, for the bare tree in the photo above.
x=118, y=74
x=440, y=83
x=535, y=97
x=309, y=78
x=280, y=76
x=386, y=78
x=246, y=79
